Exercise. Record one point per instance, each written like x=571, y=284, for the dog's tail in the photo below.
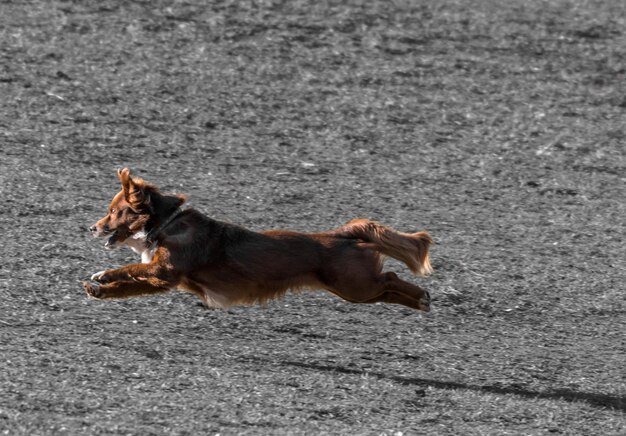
x=410, y=248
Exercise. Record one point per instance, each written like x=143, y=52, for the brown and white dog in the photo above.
x=224, y=264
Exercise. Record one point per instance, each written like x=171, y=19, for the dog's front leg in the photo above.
x=118, y=290
x=152, y=273
x=131, y=280
x=126, y=273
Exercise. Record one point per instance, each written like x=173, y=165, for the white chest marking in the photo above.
x=148, y=254
x=137, y=243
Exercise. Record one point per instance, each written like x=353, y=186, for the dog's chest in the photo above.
x=138, y=244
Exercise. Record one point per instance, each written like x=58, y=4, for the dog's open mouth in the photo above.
x=111, y=240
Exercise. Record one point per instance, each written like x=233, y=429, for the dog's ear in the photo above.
x=134, y=189
x=124, y=176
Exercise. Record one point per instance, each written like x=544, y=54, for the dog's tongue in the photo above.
x=111, y=241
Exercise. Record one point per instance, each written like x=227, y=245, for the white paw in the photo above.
x=95, y=277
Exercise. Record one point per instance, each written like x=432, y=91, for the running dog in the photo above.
x=224, y=264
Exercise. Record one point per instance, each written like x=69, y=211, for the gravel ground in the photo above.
x=498, y=126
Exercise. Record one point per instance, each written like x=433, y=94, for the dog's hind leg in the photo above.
x=395, y=298
x=404, y=293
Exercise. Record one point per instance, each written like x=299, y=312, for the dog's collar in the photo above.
x=152, y=234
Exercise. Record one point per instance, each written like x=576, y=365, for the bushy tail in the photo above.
x=410, y=248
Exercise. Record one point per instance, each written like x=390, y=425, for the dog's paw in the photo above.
x=92, y=289
x=99, y=277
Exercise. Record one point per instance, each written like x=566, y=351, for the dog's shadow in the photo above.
x=596, y=400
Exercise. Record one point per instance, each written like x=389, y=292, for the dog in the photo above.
x=225, y=264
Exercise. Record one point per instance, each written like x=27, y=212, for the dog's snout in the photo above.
x=92, y=229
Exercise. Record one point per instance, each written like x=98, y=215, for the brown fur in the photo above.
x=224, y=264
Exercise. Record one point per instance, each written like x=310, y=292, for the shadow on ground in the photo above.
x=596, y=400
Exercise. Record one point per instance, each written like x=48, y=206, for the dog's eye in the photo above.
x=113, y=210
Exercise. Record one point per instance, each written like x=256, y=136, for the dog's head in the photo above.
x=132, y=208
